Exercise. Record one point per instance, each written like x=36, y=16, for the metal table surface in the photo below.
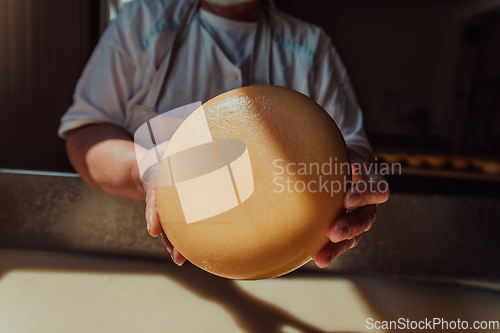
x=415, y=235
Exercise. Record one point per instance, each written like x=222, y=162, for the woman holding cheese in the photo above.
x=159, y=55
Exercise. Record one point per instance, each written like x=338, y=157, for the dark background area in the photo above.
x=426, y=74
x=44, y=46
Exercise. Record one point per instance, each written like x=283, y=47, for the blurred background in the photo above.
x=426, y=74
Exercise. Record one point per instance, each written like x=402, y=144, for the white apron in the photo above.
x=188, y=38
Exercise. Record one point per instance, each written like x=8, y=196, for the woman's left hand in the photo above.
x=368, y=190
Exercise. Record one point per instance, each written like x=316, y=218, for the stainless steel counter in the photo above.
x=418, y=236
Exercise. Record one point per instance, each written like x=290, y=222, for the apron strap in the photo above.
x=261, y=55
x=155, y=89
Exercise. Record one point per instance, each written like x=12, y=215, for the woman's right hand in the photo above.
x=154, y=226
x=148, y=180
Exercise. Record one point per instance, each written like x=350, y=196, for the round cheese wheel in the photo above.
x=251, y=181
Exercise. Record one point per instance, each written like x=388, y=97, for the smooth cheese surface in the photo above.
x=299, y=168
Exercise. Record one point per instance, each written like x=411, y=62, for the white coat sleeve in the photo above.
x=103, y=89
x=332, y=89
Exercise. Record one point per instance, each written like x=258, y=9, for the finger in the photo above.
x=331, y=251
x=352, y=224
x=356, y=241
x=177, y=257
x=170, y=247
x=357, y=174
x=152, y=219
x=374, y=191
x=174, y=253
x=358, y=166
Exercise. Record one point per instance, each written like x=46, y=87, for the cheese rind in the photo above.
x=299, y=168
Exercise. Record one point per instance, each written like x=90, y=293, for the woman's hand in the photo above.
x=148, y=179
x=107, y=158
x=154, y=226
x=368, y=190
